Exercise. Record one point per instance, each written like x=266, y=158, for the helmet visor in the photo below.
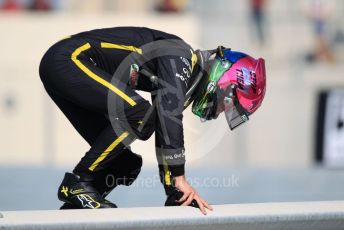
x=235, y=114
x=203, y=106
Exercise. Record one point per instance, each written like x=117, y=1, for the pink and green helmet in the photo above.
x=236, y=86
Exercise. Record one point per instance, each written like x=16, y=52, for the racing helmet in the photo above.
x=235, y=84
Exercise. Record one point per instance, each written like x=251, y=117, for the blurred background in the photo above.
x=291, y=150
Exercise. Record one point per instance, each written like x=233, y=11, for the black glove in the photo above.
x=172, y=199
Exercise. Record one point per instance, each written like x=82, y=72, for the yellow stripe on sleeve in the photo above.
x=167, y=172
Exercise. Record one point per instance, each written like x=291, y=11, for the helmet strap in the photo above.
x=220, y=51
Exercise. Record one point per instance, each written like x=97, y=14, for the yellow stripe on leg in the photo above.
x=108, y=150
x=95, y=77
x=120, y=47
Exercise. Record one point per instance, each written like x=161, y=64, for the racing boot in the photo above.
x=124, y=171
x=73, y=206
x=80, y=193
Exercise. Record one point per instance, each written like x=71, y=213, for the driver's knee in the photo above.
x=142, y=120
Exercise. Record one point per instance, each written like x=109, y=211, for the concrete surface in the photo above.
x=303, y=215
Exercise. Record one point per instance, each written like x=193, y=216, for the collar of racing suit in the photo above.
x=199, y=74
x=198, y=77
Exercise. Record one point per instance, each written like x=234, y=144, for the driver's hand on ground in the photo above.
x=189, y=194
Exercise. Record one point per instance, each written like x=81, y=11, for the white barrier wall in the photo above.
x=263, y=216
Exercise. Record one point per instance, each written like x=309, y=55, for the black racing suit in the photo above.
x=87, y=76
